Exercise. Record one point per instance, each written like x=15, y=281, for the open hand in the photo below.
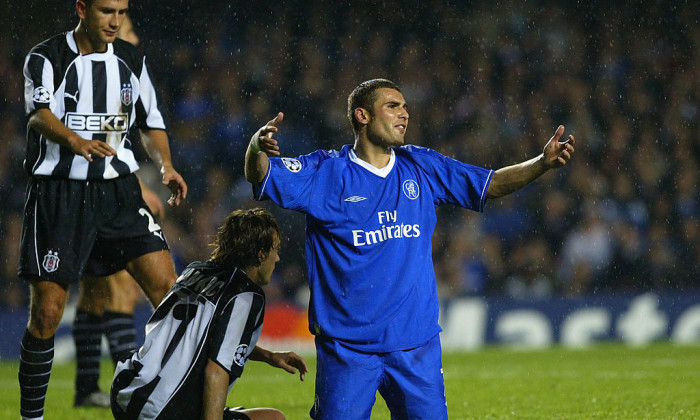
x=289, y=361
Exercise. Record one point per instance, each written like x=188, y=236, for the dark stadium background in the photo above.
x=486, y=82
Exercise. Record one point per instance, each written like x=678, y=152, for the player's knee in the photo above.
x=265, y=414
x=92, y=304
x=159, y=288
x=276, y=415
x=44, y=318
x=46, y=307
x=93, y=294
x=126, y=294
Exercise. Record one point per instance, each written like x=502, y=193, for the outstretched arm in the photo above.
x=46, y=123
x=512, y=178
x=156, y=143
x=287, y=360
x=214, y=392
x=261, y=145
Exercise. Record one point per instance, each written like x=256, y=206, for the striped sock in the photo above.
x=87, y=335
x=36, y=358
x=121, y=335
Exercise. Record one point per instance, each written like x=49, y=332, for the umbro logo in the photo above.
x=355, y=199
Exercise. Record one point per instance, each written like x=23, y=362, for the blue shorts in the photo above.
x=347, y=381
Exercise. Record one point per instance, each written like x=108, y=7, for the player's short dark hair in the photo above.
x=363, y=96
x=243, y=235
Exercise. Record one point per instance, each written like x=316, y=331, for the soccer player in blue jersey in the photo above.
x=370, y=214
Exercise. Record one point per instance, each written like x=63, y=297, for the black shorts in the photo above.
x=74, y=227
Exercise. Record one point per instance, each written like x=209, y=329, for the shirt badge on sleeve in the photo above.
x=292, y=164
x=241, y=355
x=41, y=95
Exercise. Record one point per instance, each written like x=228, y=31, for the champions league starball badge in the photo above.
x=240, y=356
x=292, y=164
x=41, y=95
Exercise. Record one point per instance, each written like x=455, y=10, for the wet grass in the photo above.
x=607, y=381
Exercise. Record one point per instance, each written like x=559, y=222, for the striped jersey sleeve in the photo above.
x=236, y=331
x=38, y=81
x=148, y=113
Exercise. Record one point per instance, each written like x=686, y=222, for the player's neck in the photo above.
x=375, y=155
x=253, y=274
x=84, y=43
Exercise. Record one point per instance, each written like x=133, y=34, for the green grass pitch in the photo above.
x=607, y=381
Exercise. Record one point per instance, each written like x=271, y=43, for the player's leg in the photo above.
x=47, y=301
x=57, y=235
x=130, y=237
x=346, y=382
x=155, y=273
x=88, y=327
x=119, y=315
x=413, y=386
x=240, y=413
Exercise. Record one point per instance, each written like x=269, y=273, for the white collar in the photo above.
x=103, y=56
x=381, y=172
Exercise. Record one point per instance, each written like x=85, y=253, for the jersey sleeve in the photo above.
x=148, y=112
x=235, y=332
x=289, y=182
x=453, y=181
x=38, y=82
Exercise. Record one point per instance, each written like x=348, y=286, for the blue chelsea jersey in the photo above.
x=368, y=238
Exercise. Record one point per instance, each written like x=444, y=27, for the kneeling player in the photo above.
x=200, y=337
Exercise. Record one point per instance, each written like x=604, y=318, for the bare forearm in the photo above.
x=157, y=147
x=512, y=178
x=46, y=123
x=287, y=360
x=256, y=166
x=215, y=392
x=260, y=354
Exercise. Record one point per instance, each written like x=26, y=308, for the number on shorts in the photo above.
x=152, y=225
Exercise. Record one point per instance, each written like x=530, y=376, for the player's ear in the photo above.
x=81, y=8
x=261, y=257
x=362, y=115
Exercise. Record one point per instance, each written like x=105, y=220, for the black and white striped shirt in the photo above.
x=100, y=96
x=211, y=313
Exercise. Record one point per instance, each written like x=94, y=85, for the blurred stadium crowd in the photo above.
x=486, y=82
